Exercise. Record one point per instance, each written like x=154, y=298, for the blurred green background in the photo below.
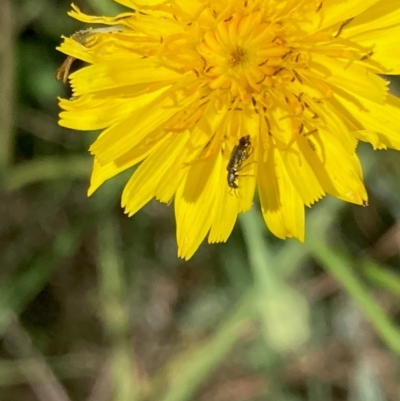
x=96, y=306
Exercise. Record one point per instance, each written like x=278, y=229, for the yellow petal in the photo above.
x=384, y=44
x=195, y=204
x=91, y=112
x=141, y=187
x=226, y=210
x=118, y=139
x=384, y=120
x=140, y=3
x=103, y=172
x=75, y=49
x=302, y=175
x=108, y=75
x=281, y=205
x=334, y=122
x=90, y=19
x=351, y=78
x=338, y=171
x=337, y=11
x=384, y=14
x=176, y=172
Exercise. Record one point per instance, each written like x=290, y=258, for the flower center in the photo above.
x=241, y=54
x=238, y=57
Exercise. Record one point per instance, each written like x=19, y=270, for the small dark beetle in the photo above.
x=240, y=153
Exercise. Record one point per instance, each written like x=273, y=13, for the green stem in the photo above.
x=195, y=370
x=283, y=311
x=261, y=260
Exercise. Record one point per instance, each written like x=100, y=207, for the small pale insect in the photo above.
x=81, y=37
x=240, y=153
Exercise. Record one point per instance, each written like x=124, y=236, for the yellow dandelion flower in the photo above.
x=217, y=98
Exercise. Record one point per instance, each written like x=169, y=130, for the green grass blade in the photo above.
x=381, y=276
x=113, y=294
x=338, y=265
x=46, y=169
